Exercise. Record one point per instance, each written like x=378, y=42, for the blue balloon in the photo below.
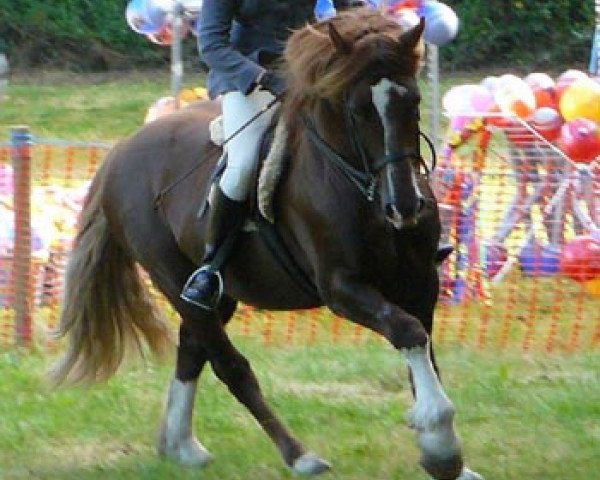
x=143, y=19
x=324, y=9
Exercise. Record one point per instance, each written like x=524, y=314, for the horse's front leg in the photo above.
x=432, y=414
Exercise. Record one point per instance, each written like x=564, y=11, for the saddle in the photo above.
x=273, y=159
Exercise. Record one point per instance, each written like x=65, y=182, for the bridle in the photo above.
x=365, y=179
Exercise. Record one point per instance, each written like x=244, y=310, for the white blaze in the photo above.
x=381, y=93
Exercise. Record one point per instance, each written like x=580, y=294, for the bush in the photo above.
x=521, y=33
x=81, y=35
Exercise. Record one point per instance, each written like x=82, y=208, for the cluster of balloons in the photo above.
x=441, y=22
x=565, y=110
x=154, y=18
x=166, y=105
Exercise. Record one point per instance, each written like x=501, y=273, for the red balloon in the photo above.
x=580, y=259
x=580, y=140
x=545, y=97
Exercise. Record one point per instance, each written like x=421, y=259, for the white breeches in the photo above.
x=243, y=149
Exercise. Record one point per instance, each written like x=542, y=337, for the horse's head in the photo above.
x=364, y=68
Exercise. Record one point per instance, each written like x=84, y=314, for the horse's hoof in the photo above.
x=468, y=474
x=190, y=453
x=441, y=454
x=444, y=468
x=310, y=464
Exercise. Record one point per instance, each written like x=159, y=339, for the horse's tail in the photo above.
x=106, y=306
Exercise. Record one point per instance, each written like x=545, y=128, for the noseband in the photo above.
x=366, y=179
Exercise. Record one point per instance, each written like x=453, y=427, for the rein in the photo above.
x=160, y=196
x=364, y=180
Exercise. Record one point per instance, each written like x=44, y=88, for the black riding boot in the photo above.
x=205, y=285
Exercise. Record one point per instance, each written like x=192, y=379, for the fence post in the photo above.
x=21, y=142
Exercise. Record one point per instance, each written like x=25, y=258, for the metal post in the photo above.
x=21, y=142
x=433, y=72
x=595, y=55
x=176, y=55
x=3, y=76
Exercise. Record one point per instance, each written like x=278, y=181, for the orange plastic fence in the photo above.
x=501, y=289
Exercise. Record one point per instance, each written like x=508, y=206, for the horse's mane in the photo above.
x=316, y=70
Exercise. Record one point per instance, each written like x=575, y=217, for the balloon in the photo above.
x=547, y=122
x=514, y=96
x=581, y=99
x=146, y=16
x=580, y=140
x=491, y=83
x=482, y=100
x=593, y=286
x=539, y=80
x=406, y=18
x=441, y=23
x=580, y=259
x=544, y=89
x=163, y=106
x=565, y=79
x=457, y=100
x=324, y=9
x=163, y=37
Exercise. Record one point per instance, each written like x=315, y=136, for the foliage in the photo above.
x=90, y=35
x=521, y=33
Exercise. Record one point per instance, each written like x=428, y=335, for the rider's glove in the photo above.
x=273, y=83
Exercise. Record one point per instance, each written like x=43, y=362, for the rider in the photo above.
x=240, y=41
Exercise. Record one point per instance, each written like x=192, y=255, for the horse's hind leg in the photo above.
x=177, y=440
x=234, y=370
x=202, y=338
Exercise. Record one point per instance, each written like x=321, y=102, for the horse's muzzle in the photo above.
x=403, y=219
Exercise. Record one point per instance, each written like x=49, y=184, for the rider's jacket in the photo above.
x=237, y=39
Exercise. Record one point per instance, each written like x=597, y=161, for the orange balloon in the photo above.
x=545, y=97
x=593, y=286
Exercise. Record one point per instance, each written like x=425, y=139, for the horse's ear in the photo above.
x=342, y=46
x=411, y=38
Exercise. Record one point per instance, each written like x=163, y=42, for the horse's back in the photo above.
x=162, y=170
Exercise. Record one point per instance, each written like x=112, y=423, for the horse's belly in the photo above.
x=254, y=277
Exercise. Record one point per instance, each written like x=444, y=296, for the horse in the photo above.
x=354, y=210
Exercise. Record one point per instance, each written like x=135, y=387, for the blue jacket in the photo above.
x=240, y=38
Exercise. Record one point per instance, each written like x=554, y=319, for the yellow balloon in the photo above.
x=593, y=286
x=581, y=100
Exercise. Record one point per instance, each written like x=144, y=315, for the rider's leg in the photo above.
x=228, y=206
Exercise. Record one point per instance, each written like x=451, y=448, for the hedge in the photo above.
x=93, y=35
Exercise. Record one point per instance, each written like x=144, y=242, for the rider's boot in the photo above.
x=205, y=285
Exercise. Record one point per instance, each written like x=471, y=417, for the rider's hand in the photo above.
x=273, y=83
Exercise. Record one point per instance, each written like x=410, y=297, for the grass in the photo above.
x=104, y=107
x=521, y=415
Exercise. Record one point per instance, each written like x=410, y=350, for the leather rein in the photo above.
x=365, y=179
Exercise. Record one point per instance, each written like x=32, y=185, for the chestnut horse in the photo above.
x=354, y=210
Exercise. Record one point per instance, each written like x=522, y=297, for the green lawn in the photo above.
x=534, y=417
